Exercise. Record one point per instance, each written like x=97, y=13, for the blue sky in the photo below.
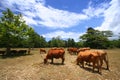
x=67, y=18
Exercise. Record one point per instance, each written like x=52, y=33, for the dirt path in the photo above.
x=31, y=67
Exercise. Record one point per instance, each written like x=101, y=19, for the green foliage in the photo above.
x=115, y=43
x=70, y=42
x=56, y=42
x=14, y=32
x=79, y=44
x=96, y=39
x=13, y=29
x=42, y=41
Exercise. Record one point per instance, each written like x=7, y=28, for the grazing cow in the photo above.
x=42, y=50
x=89, y=56
x=55, y=53
x=72, y=50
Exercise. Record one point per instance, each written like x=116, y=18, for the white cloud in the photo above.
x=29, y=20
x=63, y=35
x=112, y=18
x=95, y=11
x=55, y=18
x=49, y=17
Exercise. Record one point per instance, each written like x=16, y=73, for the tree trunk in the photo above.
x=8, y=51
x=29, y=50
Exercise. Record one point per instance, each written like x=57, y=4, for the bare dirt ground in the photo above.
x=31, y=67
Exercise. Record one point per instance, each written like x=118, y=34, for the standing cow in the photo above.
x=89, y=56
x=103, y=57
x=55, y=53
x=72, y=50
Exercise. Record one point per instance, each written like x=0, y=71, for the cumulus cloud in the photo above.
x=111, y=18
x=55, y=18
x=97, y=11
x=64, y=35
x=48, y=16
x=51, y=17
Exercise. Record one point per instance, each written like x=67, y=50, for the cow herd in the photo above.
x=14, y=52
x=86, y=55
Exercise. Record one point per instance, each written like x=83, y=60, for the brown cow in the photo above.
x=42, y=50
x=89, y=56
x=55, y=53
x=72, y=50
x=103, y=57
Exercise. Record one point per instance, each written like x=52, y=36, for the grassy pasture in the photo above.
x=31, y=67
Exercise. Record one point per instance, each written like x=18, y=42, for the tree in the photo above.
x=96, y=39
x=42, y=41
x=70, y=42
x=13, y=30
x=56, y=42
x=32, y=39
x=79, y=44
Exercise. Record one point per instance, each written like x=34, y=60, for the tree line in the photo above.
x=14, y=32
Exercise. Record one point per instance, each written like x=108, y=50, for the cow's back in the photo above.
x=56, y=53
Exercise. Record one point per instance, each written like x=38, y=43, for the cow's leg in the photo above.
x=51, y=60
x=82, y=64
x=77, y=61
x=75, y=53
x=99, y=66
x=93, y=66
x=63, y=59
x=101, y=61
x=88, y=63
x=69, y=52
x=106, y=61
